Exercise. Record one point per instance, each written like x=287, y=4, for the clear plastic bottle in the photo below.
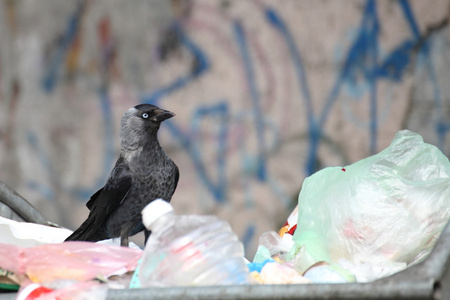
x=189, y=250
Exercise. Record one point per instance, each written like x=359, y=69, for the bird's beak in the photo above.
x=163, y=115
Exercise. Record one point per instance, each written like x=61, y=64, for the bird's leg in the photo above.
x=124, y=236
x=146, y=235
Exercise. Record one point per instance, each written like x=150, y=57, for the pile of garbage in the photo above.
x=356, y=223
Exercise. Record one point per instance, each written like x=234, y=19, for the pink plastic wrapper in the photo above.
x=77, y=291
x=71, y=260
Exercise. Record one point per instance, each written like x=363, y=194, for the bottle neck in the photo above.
x=162, y=222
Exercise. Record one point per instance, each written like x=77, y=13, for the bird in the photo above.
x=142, y=173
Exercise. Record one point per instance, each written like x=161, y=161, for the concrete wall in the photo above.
x=265, y=92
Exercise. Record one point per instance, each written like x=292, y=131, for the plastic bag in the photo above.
x=276, y=273
x=272, y=245
x=86, y=290
x=30, y=234
x=71, y=260
x=385, y=210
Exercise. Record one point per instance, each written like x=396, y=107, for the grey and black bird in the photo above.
x=143, y=173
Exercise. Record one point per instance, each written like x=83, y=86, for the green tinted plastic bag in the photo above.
x=387, y=209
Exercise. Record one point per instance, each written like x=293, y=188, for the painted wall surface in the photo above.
x=265, y=93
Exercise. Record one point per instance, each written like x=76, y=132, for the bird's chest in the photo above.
x=152, y=178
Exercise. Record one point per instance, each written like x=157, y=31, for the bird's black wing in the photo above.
x=176, y=178
x=102, y=203
x=91, y=201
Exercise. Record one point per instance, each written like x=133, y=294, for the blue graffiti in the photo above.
x=313, y=126
x=362, y=65
x=217, y=187
x=248, y=236
x=442, y=127
x=45, y=161
x=258, y=114
x=201, y=65
x=109, y=156
x=108, y=132
x=362, y=61
x=56, y=59
x=409, y=16
x=395, y=64
x=49, y=83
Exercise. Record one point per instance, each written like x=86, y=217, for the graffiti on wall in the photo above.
x=255, y=115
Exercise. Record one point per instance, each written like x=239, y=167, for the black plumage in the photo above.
x=143, y=173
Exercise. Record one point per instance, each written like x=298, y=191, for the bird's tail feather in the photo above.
x=90, y=231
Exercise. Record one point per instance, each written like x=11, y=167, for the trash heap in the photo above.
x=367, y=220
x=356, y=223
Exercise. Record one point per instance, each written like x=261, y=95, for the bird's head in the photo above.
x=140, y=122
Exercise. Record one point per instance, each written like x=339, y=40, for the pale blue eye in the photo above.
x=145, y=115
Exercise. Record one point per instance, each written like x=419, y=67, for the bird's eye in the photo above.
x=145, y=115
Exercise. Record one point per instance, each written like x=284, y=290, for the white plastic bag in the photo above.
x=387, y=209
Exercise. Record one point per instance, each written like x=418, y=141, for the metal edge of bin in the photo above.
x=429, y=279
x=20, y=206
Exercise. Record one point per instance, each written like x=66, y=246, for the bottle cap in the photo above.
x=154, y=210
x=33, y=291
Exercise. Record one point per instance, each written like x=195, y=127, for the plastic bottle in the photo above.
x=189, y=250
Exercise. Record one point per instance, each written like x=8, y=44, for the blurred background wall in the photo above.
x=265, y=93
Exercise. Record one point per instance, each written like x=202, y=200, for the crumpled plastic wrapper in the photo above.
x=70, y=260
x=382, y=214
x=30, y=234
